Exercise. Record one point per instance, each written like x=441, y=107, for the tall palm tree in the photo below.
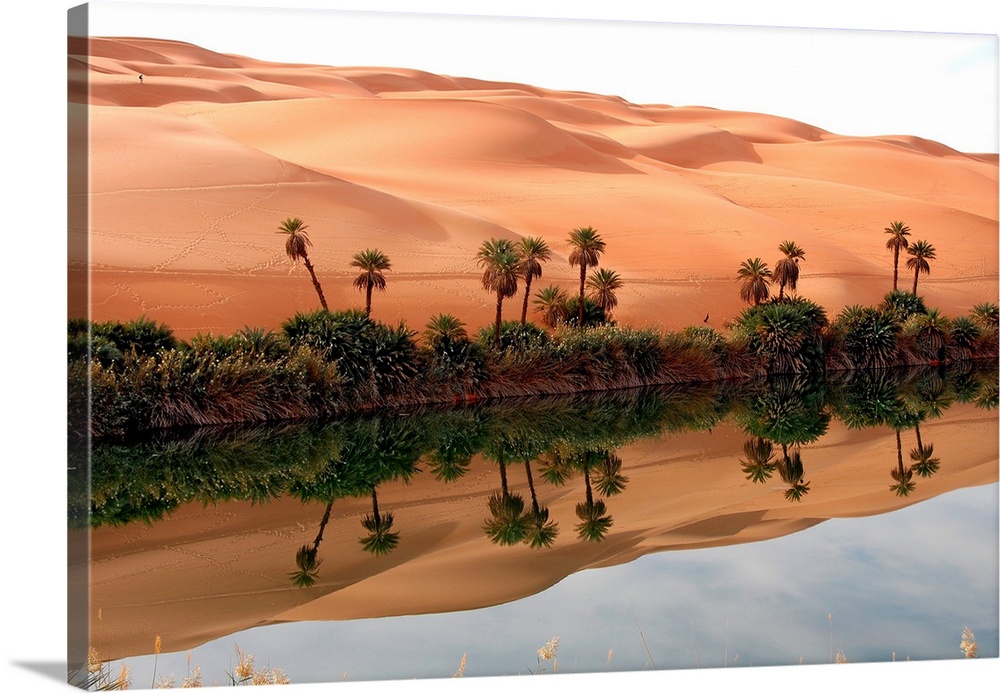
x=603, y=284
x=920, y=252
x=756, y=276
x=305, y=557
x=588, y=246
x=372, y=263
x=532, y=252
x=296, y=247
x=381, y=539
x=898, y=231
x=501, y=269
x=786, y=270
x=551, y=303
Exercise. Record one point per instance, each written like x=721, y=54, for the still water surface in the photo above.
x=722, y=528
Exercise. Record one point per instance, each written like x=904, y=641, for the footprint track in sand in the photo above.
x=214, y=224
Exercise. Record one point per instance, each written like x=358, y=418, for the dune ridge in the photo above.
x=193, y=169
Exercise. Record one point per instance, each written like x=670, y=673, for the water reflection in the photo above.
x=147, y=479
x=551, y=479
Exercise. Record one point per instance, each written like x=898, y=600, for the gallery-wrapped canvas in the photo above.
x=420, y=347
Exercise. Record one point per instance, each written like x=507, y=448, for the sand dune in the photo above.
x=193, y=170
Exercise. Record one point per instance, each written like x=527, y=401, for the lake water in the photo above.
x=729, y=526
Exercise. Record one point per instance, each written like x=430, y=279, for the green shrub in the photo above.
x=900, y=305
x=929, y=332
x=870, y=336
x=513, y=336
x=788, y=334
x=143, y=336
x=372, y=359
x=593, y=314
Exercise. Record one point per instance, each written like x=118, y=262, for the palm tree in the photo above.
x=381, y=539
x=603, y=284
x=305, y=557
x=898, y=231
x=501, y=269
x=786, y=270
x=372, y=263
x=551, y=303
x=588, y=246
x=444, y=327
x=296, y=246
x=532, y=252
x=920, y=252
x=755, y=275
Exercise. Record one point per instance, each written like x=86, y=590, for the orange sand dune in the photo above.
x=193, y=169
x=203, y=573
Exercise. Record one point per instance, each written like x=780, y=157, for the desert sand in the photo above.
x=193, y=169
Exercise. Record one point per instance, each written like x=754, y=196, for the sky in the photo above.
x=938, y=85
x=32, y=347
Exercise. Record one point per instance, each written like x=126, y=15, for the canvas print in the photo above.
x=398, y=356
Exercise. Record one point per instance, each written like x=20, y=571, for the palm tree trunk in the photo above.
x=319, y=289
x=920, y=443
x=781, y=291
x=499, y=319
x=916, y=273
x=895, y=267
x=583, y=280
x=368, y=301
x=527, y=291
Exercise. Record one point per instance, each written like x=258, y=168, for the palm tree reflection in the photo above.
x=541, y=531
x=593, y=514
x=791, y=471
x=902, y=476
x=924, y=462
x=305, y=557
x=381, y=539
x=758, y=465
x=507, y=525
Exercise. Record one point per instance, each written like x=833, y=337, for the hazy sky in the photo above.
x=941, y=86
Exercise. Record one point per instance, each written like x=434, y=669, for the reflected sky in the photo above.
x=902, y=585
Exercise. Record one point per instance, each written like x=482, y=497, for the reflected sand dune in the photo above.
x=199, y=536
